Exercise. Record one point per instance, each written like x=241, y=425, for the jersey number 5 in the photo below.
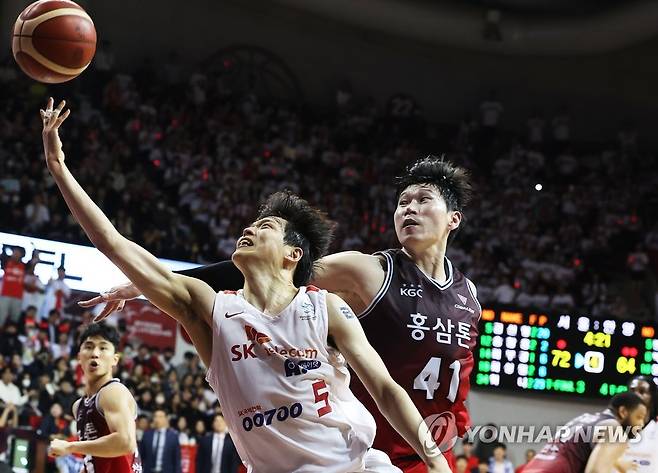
x=322, y=397
x=428, y=379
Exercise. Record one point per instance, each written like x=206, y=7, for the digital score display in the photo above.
x=568, y=354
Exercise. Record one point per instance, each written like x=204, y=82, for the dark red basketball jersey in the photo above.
x=92, y=425
x=569, y=454
x=425, y=333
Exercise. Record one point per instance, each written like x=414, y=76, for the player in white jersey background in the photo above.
x=642, y=455
x=297, y=422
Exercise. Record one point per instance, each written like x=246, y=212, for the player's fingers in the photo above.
x=61, y=119
x=121, y=305
x=49, y=105
x=91, y=302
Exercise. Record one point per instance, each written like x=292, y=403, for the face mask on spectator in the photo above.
x=160, y=399
x=26, y=382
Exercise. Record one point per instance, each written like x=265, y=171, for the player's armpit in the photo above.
x=350, y=272
x=200, y=333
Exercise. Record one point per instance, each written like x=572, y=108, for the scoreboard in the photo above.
x=566, y=354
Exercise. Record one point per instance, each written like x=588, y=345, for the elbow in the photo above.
x=127, y=444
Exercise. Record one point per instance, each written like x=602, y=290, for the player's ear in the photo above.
x=455, y=220
x=294, y=254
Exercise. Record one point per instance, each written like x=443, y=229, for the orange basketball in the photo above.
x=54, y=40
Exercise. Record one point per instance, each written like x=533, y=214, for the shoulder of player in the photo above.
x=113, y=394
x=353, y=262
x=75, y=406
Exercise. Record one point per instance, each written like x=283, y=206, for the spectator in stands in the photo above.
x=11, y=293
x=57, y=293
x=498, y=463
x=9, y=392
x=54, y=425
x=216, y=453
x=66, y=396
x=9, y=341
x=467, y=452
x=529, y=455
x=483, y=467
x=8, y=421
x=33, y=288
x=159, y=448
x=461, y=464
x=36, y=214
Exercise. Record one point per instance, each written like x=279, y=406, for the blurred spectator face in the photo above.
x=199, y=427
x=61, y=273
x=142, y=423
x=422, y=218
x=499, y=454
x=7, y=376
x=66, y=386
x=219, y=424
x=467, y=448
x=181, y=425
x=529, y=455
x=462, y=465
x=17, y=253
x=56, y=411
x=483, y=467
x=160, y=420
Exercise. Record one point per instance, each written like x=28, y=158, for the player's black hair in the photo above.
x=453, y=182
x=101, y=330
x=653, y=390
x=627, y=399
x=306, y=227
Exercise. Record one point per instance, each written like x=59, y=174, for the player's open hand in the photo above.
x=114, y=299
x=52, y=120
x=58, y=448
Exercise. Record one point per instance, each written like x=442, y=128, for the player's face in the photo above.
x=642, y=389
x=422, y=218
x=97, y=357
x=262, y=240
x=635, y=418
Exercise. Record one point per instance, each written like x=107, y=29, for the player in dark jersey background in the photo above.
x=578, y=454
x=106, y=414
x=419, y=312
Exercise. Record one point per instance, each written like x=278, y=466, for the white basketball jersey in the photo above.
x=284, y=392
x=644, y=453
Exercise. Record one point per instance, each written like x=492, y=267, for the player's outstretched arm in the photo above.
x=172, y=293
x=606, y=454
x=119, y=408
x=392, y=400
x=354, y=275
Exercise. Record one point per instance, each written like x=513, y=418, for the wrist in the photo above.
x=72, y=447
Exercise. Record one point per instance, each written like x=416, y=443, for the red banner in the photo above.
x=150, y=325
x=188, y=458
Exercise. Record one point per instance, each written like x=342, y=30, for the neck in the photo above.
x=430, y=261
x=92, y=386
x=268, y=292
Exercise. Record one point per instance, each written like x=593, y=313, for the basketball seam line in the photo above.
x=53, y=39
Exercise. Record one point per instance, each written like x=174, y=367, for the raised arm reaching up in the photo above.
x=188, y=300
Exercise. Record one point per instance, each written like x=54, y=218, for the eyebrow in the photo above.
x=266, y=219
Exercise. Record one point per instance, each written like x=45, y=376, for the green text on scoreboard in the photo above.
x=577, y=355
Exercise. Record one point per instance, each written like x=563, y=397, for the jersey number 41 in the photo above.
x=428, y=379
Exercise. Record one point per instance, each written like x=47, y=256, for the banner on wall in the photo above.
x=149, y=325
